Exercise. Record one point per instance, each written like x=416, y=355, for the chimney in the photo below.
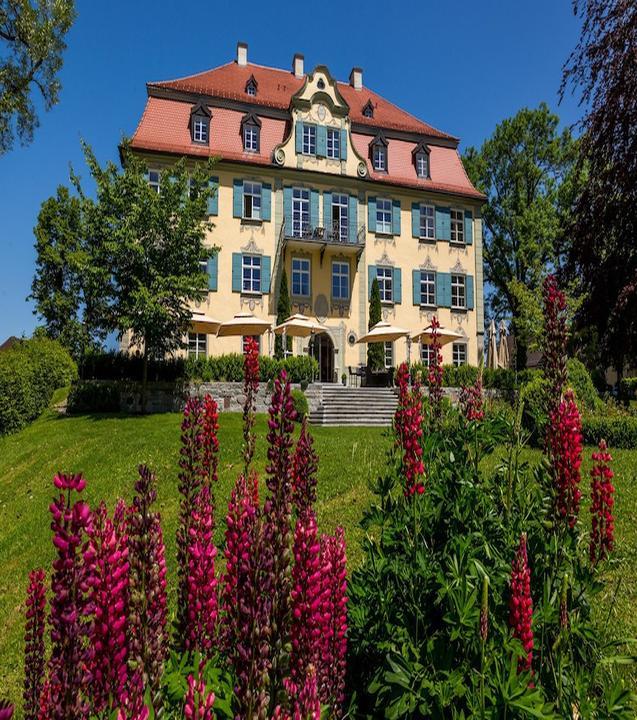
x=297, y=65
x=356, y=78
x=242, y=53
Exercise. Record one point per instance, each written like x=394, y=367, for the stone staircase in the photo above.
x=338, y=405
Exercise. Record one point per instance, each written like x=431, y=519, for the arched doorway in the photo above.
x=322, y=350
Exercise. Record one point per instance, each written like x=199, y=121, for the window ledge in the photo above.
x=388, y=303
x=459, y=309
x=303, y=298
x=428, y=241
x=428, y=307
x=458, y=243
x=252, y=293
x=251, y=221
x=384, y=234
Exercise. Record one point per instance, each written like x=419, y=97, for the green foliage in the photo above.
x=94, y=396
x=300, y=404
x=619, y=430
x=33, y=40
x=579, y=380
x=628, y=388
x=375, y=353
x=30, y=371
x=533, y=402
x=117, y=365
x=229, y=368
x=282, y=313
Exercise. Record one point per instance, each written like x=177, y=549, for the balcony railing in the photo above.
x=335, y=234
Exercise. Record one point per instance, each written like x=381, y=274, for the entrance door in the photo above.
x=322, y=350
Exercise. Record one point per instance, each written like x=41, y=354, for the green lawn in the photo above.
x=108, y=448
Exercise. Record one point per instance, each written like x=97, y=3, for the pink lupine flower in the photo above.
x=555, y=338
x=408, y=422
x=108, y=583
x=602, y=490
x=34, y=653
x=70, y=607
x=435, y=371
x=521, y=604
x=333, y=649
x=305, y=701
x=198, y=703
x=564, y=447
x=209, y=440
x=471, y=401
x=202, y=582
x=304, y=467
x=6, y=710
x=250, y=389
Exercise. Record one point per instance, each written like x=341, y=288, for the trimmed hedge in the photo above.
x=300, y=404
x=89, y=396
x=619, y=431
x=229, y=368
x=30, y=371
x=115, y=365
x=503, y=379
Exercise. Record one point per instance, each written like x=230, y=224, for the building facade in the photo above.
x=338, y=186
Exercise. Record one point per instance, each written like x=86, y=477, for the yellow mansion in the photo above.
x=338, y=186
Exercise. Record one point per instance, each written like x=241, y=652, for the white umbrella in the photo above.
x=445, y=336
x=383, y=332
x=492, y=349
x=204, y=324
x=243, y=324
x=503, y=349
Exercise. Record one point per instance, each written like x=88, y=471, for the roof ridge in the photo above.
x=219, y=67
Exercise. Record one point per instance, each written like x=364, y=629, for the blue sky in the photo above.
x=461, y=66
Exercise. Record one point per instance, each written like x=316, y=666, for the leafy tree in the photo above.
x=526, y=170
x=33, y=33
x=375, y=355
x=603, y=255
x=282, y=313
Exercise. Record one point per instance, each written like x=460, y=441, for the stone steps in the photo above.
x=340, y=405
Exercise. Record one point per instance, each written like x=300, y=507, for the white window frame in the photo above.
x=300, y=211
x=301, y=268
x=333, y=143
x=428, y=288
x=197, y=345
x=385, y=277
x=154, y=180
x=427, y=226
x=379, y=158
x=340, y=272
x=250, y=137
x=459, y=354
x=199, y=129
x=458, y=291
x=340, y=227
x=252, y=283
x=388, y=354
x=252, y=196
x=457, y=226
x=251, y=89
x=384, y=216
x=426, y=354
x=308, y=146
x=422, y=165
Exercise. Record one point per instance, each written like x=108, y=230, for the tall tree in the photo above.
x=524, y=169
x=375, y=352
x=603, y=255
x=282, y=314
x=32, y=34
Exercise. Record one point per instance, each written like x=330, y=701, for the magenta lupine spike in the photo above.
x=250, y=389
x=6, y=710
x=304, y=469
x=202, y=582
x=34, y=653
x=435, y=375
x=521, y=604
x=333, y=652
x=304, y=698
x=209, y=440
x=602, y=490
x=471, y=401
x=245, y=604
x=306, y=618
x=148, y=635
x=69, y=608
x=564, y=448
x=198, y=703
x=555, y=339
x=108, y=583
x=408, y=422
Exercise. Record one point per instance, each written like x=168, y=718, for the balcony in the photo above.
x=346, y=239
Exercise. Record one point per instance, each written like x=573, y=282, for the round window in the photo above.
x=320, y=84
x=351, y=338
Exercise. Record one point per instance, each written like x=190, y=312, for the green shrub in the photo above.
x=533, y=398
x=95, y=396
x=115, y=365
x=628, y=388
x=229, y=368
x=619, y=430
x=30, y=371
x=300, y=404
x=579, y=380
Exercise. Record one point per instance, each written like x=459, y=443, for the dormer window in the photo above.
x=368, y=110
x=251, y=87
x=421, y=160
x=200, y=124
x=251, y=132
x=379, y=153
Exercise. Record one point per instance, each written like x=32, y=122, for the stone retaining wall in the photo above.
x=230, y=398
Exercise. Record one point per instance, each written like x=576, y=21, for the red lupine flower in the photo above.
x=250, y=389
x=408, y=422
x=602, y=490
x=555, y=338
x=306, y=703
x=198, y=701
x=564, y=446
x=202, y=582
x=304, y=467
x=209, y=440
x=521, y=604
x=108, y=582
x=34, y=657
x=471, y=401
x=435, y=370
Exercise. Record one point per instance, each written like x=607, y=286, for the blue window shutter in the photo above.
x=266, y=201
x=237, y=198
x=415, y=279
x=343, y=144
x=213, y=200
x=371, y=214
x=398, y=285
x=371, y=274
x=468, y=227
x=443, y=289
x=443, y=223
x=415, y=220
x=321, y=141
x=470, y=302
x=327, y=210
x=213, y=271
x=299, y=136
x=395, y=217
x=287, y=208
x=236, y=272
x=353, y=218
x=266, y=269
x=314, y=208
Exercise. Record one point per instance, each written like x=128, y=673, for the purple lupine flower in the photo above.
x=198, y=703
x=304, y=467
x=6, y=710
x=250, y=389
x=209, y=441
x=34, y=653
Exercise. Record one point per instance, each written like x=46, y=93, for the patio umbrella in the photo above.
x=204, y=324
x=383, y=332
x=503, y=348
x=492, y=349
x=243, y=324
x=298, y=326
x=445, y=336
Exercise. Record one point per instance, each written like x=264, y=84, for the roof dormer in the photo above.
x=420, y=156
x=251, y=86
x=200, y=124
x=368, y=109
